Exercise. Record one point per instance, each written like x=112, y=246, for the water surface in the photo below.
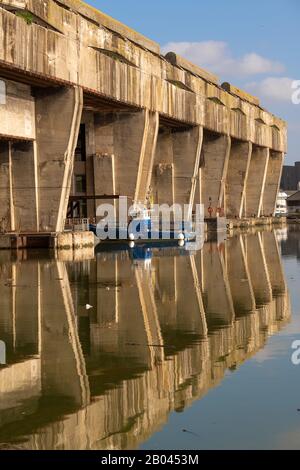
x=180, y=350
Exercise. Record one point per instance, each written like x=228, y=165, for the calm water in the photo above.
x=178, y=351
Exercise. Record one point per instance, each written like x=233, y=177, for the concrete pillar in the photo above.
x=162, y=184
x=238, y=168
x=258, y=269
x=239, y=278
x=256, y=181
x=187, y=146
x=272, y=184
x=104, y=177
x=214, y=166
x=25, y=186
x=131, y=138
x=6, y=195
x=198, y=195
x=147, y=156
x=87, y=120
x=58, y=115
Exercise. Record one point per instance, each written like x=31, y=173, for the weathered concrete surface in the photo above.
x=240, y=93
x=17, y=111
x=57, y=134
x=185, y=64
x=214, y=166
x=131, y=139
x=104, y=176
x=52, y=14
x=272, y=183
x=6, y=208
x=25, y=187
x=144, y=115
x=146, y=161
x=256, y=181
x=237, y=176
x=176, y=166
x=187, y=146
x=117, y=67
x=162, y=184
x=75, y=240
x=18, y=187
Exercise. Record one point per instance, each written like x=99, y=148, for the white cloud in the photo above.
x=217, y=57
x=273, y=88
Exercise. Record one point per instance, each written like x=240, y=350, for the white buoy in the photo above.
x=181, y=243
x=88, y=307
x=181, y=236
x=131, y=237
x=131, y=245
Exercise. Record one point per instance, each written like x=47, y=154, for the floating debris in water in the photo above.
x=190, y=432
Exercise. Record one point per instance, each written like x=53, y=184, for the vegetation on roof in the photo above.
x=26, y=16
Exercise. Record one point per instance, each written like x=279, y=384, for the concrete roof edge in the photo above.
x=240, y=93
x=185, y=64
x=114, y=25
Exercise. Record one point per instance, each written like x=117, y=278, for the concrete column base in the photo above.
x=75, y=240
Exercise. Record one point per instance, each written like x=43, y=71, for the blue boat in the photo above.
x=142, y=229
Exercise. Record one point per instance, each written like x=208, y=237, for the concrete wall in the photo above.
x=128, y=71
x=214, y=167
x=157, y=128
x=58, y=117
x=17, y=110
x=6, y=208
x=130, y=141
x=237, y=176
x=272, y=182
x=255, y=184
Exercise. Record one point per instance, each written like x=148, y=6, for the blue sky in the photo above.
x=254, y=45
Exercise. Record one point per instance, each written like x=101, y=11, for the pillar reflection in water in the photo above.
x=165, y=327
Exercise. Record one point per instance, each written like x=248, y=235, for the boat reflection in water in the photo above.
x=165, y=326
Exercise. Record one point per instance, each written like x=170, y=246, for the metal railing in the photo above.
x=77, y=225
